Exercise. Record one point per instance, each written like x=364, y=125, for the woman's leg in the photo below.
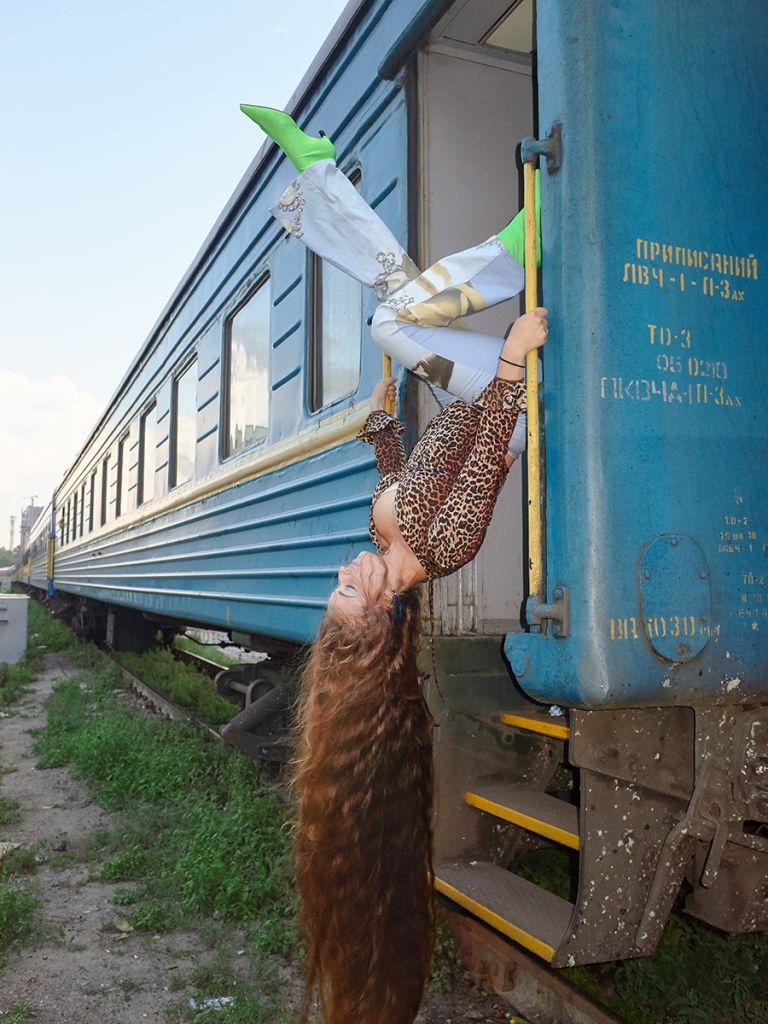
x=418, y=326
x=325, y=210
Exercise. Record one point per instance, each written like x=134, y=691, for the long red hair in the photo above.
x=364, y=840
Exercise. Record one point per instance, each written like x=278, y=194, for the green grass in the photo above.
x=45, y=635
x=123, y=897
x=696, y=976
x=256, y=998
x=186, y=643
x=129, y=865
x=14, y=680
x=446, y=966
x=18, y=914
x=181, y=683
x=19, y=1013
x=246, y=1008
x=19, y=862
x=9, y=811
x=200, y=831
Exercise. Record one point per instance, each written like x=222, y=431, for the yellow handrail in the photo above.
x=51, y=556
x=535, y=505
x=386, y=371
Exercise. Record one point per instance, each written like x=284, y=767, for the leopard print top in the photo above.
x=448, y=487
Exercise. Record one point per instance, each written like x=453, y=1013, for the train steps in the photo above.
x=529, y=915
x=591, y=785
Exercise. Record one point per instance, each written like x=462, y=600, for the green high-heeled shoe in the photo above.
x=301, y=149
x=513, y=235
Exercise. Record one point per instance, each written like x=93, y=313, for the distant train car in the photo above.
x=223, y=484
x=34, y=566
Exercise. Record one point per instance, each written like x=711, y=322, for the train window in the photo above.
x=82, y=510
x=74, y=515
x=336, y=302
x=246, y=354
x=104, y=490
x=147, y=453
x=121, y=494
x=69, y=523
x=184, y=426
x=92, y=502
x=61, y=528
x=515, y=30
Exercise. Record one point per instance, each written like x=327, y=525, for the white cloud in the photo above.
x=43, y=425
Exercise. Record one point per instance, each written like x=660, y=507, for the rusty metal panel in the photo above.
x=522, y=981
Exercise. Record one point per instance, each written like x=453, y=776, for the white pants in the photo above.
x=417, y=321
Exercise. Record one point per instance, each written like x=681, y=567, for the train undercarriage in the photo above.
x=642, y=803
x=645, y=801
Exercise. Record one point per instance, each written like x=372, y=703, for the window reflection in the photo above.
x=104, y=490
x=121, y=496
x=185, y=425
x=337, y=303
x=147, y=453
x=515, y=30
x=92, y=503
x=248, y=369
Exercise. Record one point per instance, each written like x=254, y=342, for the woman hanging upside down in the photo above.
x=364, y=770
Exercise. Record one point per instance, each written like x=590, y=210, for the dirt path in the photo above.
x=85, y=969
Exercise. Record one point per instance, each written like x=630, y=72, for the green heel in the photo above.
x=513, y=235
x=301, y=149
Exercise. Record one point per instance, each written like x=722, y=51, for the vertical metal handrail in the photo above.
x=536, y=582
x=386, y=371
x=532, y=151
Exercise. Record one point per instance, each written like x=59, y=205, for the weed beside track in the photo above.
x=181, y=683
x=192, y=860
x=45, y=635
x=696, y=976
x=202, y=833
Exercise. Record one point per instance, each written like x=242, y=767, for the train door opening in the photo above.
x=499, y=759
x=476, y=101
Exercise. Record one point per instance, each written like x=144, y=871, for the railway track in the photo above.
x=529, y=986
x=161, y=705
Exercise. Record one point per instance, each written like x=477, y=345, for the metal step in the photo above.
x=531, y=916
x=548, y=725
x=531, y=809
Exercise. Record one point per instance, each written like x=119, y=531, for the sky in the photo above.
x=120, y=143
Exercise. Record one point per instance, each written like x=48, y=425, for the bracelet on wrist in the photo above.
x=520, y=366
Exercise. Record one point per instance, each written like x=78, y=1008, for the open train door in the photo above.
x=649, y=622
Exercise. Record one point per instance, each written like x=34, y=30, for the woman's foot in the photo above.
x=301, y=149
x=513, y=235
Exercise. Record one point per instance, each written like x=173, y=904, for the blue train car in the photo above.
x=656, y=236
x=33, y=568
x=224, y=486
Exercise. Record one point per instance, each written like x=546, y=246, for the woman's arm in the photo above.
x=526, y=333
x=383, y=431
x=458, y=529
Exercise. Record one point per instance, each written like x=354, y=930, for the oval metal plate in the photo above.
x=675, y=597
